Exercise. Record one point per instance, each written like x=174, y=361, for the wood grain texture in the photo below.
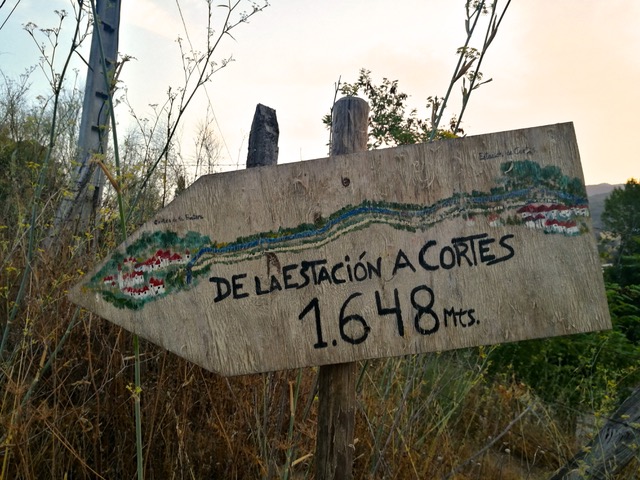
x=336, y=421
x=349, y=124
x=337, y=383
x=263, y=139
x=433, y=247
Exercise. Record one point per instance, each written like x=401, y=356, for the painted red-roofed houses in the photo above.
x=130, y=261
x=556, y=226
x=582, y=210
x=132, y=279
x=562, y=212
x=527, y=210
x=552, y=226
x=163, y=258
x=157, y=285
x=535, y=221
x=572, y=228
x=494, y=220
x=553, y=218
x=141, y=292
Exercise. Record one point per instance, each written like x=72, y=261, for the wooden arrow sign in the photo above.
x=421, y=248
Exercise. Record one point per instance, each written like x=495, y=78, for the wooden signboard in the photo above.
x=421, y=248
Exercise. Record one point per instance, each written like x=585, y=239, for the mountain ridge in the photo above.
x=597, y=194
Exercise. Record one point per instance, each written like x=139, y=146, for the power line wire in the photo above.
x=10, y=13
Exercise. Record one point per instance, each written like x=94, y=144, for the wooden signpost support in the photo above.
x=337, y=383
x=421, y=248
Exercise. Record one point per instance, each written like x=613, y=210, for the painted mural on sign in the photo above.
x=525, y=195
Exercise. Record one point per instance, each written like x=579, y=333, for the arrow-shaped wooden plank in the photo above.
x=457, y=243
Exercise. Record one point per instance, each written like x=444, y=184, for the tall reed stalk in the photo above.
x=137, y=390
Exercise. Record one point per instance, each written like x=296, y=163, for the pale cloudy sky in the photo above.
x=552, y=61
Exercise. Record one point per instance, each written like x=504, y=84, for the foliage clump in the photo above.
x=390, y=122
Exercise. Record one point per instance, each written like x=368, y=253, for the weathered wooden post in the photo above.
x=337, y=383
x=611, y=450
x=263, y=138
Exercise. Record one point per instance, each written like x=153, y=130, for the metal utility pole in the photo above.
x=79, y=210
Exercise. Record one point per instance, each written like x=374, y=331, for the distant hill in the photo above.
x=597, y=194
x=601, y=188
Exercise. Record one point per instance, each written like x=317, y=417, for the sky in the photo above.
x=552, y=61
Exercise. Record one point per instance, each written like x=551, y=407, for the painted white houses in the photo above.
x=553, y=218
x=132, y=274
x=157, y=285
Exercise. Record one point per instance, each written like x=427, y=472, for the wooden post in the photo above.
x=611, y=450
x=349, y=125
x=337, y=383
x=263, y=138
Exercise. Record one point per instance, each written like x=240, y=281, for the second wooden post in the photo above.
x=337, y=383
